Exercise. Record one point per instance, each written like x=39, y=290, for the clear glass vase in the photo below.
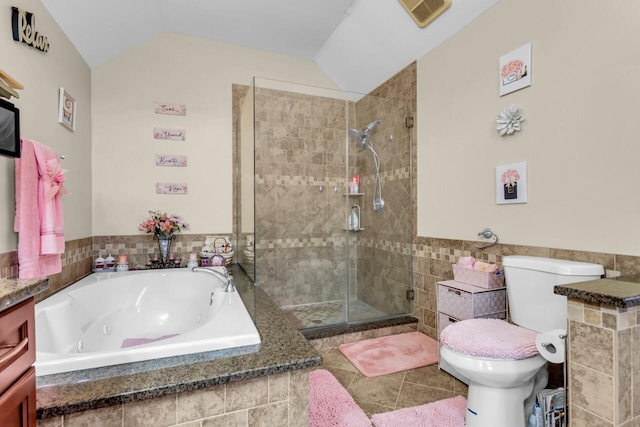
x=164, y=243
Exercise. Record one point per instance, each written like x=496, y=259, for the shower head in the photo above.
x=356, y=134
x=363, y=136
x=371, y=127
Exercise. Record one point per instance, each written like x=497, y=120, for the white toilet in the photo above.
x=502, y=389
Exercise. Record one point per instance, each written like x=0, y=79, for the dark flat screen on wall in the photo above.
x=9, y=129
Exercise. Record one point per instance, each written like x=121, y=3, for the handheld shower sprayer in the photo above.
x=365, y=141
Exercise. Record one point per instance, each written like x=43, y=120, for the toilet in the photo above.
x=500, y=360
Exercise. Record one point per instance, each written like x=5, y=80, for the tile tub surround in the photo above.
x=284, y=353
x=140, y=247
x=76, y=263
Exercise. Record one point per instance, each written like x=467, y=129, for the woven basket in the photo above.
x=478, y=278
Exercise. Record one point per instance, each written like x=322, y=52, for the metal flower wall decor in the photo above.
x=509, y=120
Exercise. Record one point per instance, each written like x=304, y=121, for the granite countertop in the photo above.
x=283, y=349
x=14, y=291
x=621, y=291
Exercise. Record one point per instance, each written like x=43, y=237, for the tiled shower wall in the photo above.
x=300, y=162
x=384, y=247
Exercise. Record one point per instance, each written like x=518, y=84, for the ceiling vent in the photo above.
x=425, y=11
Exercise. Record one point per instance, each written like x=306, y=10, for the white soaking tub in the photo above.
x=109, y=319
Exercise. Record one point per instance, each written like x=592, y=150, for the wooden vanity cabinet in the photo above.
x=17, y=375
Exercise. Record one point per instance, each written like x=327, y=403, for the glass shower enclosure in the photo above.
x=324, y=202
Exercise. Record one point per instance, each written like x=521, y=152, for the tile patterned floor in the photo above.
x=328, y=313
x=394, y=391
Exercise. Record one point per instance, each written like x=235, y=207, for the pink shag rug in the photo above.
x=393, y=353
x=443, y=413
x=330, y=405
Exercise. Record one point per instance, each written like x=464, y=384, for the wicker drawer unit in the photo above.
x=464, y=301
x=460, y=301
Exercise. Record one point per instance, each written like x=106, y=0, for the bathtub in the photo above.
x=109, y=319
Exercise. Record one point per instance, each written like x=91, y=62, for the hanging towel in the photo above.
x=38, y=218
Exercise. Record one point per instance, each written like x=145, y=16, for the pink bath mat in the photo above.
x=330, y=405
x=443, y=413
x=394, y=353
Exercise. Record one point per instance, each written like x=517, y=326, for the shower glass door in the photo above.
x=380, y=249
x=310, y=258
x=299, y=200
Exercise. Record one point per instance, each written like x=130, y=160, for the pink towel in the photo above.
x=490, y=338
x=38, y=217
x=485, y=266
x=466, y=261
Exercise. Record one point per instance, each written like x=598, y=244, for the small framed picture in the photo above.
x=511, y=183
x=67, y=110
x=515, y=70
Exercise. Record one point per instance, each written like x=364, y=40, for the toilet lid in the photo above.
x=490, y=338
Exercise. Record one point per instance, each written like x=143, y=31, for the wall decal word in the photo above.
x=171, y=109
x=168, y=160
x=23, y=24
x=170, y=188
x=171, y=134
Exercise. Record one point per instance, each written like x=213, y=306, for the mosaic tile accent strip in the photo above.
x=388, y=176
x=386, y=245
x=311, y=242
x=298, y=180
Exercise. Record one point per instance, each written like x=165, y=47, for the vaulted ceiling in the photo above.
x=357, y=43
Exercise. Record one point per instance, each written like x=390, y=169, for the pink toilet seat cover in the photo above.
x=490, y=338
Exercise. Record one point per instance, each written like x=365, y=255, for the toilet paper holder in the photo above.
x=550, y=347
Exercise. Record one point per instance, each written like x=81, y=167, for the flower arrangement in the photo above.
x=510, y=177
x=162, y=225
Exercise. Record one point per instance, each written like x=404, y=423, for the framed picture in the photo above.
x=67, y=110
x=9, y=129
x=515, y=70
x=511, y=183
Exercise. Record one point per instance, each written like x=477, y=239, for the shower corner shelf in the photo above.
x=353, y=194
x=351, y=229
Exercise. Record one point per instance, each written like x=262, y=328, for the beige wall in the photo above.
x=579, y=138
x=177, y=69
x=43, y=74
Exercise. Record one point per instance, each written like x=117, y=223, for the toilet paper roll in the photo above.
x=551, y=345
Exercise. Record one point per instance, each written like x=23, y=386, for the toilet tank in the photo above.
x=530, y=281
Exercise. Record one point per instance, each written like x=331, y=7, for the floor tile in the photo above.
x=372, y=408
x=378, y=390
x=415, y=395
x=336, y=359
x=343, y=376
x=431, y=376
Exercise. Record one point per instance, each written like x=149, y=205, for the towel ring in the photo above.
x=487, y=233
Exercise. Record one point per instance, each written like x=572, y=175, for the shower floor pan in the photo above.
x=329, y=313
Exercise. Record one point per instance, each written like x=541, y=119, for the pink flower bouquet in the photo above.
x=510, y=177
x=162, y=225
